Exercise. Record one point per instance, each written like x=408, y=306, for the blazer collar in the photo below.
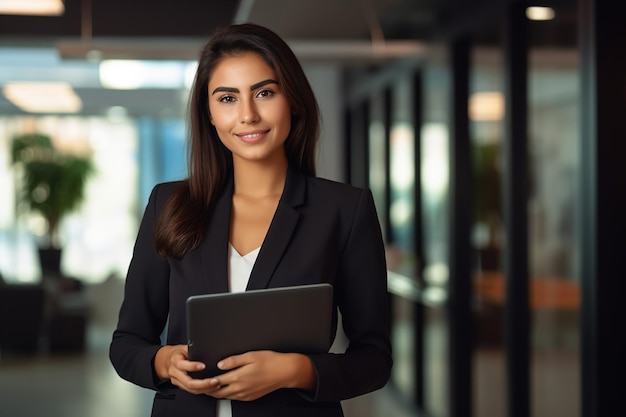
x=215, y=246
x=280, y=231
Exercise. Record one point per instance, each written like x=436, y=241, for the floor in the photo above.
x=85, y=385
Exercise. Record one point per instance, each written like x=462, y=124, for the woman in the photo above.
x=253, y=215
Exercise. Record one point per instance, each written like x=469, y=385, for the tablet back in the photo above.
x=287, y=319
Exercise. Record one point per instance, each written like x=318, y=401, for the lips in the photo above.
x=252, y=137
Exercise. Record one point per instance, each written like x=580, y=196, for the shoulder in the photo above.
x=328, y=195
x=167, y=188
x=163, y=191
x=335, y=189
x=323, y=195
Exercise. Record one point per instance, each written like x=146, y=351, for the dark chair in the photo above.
x=21, y=317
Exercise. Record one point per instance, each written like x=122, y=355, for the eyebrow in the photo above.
x=252, y=87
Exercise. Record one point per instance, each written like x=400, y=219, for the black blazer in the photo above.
x=322, y=231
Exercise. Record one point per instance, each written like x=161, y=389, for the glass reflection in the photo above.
x=378, y=157
x=402, y=169
x=401, y=248
x=555, y=287
x=486, y=133
x=434, y=227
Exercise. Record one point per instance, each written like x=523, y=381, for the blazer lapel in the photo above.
x=280, y=231
x=215, y=246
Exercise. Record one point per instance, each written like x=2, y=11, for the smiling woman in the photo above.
x=251, y=215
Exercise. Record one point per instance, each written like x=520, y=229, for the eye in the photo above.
x=264, y=93
x=226, y=99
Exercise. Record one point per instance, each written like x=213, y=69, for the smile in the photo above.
x=252, y=137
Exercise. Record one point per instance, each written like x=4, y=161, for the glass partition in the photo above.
x=401, y=258
x=129, y=158
x=554, y=129
x=434, y=166
x=98, y=237
x=378, y=158
x=486, y=111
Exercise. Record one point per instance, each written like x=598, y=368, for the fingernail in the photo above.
x=200, y=366
x=220, y=364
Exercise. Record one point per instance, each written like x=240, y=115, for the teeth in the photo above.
x=251, y=136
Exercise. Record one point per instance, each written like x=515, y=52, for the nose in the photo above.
x=249, y=113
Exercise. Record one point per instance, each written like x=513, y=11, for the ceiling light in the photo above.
x=32, y=7
x=486, y=106
x=121, y=74
x=117, y=113
x=43, y=97
x=540, y=13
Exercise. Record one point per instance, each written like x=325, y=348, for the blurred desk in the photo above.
x=543, y=292
x=554, y=304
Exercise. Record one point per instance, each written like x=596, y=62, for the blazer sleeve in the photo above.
x=361, y=291
x=144, y=311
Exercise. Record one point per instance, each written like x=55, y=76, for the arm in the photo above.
x=144, y=310
x=361, y=291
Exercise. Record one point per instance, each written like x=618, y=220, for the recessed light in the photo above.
x=32, y=7
x=540, y=13
x=127, y=74
x=43, y=97
x=486, y=106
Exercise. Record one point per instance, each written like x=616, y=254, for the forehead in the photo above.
x=244, y=69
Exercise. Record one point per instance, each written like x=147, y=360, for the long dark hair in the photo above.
x=182, y=222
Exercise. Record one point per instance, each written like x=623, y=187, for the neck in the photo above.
x=260, y=179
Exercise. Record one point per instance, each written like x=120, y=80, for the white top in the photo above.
x=239, y=269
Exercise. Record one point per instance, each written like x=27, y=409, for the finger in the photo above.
x=228, y=363
x=180, y=369
x=239, y=392
x=196, y=386
x=236, y=361
x=202, y=385
x=235, y=385
x=188, y=366
x=219, y=392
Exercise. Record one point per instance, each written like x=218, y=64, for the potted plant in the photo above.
x=52, y=184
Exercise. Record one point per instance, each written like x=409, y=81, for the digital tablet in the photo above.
x=287, y=319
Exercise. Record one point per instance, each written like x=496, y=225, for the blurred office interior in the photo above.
x=490, y=132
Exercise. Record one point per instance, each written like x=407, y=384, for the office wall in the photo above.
x=326, y=82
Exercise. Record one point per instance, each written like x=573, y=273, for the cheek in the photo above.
x=219, y=119
x=281, y=115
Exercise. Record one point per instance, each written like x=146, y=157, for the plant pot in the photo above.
x=50, y=261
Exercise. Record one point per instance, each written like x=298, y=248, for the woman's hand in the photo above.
x=171, y=362
x=255, y=374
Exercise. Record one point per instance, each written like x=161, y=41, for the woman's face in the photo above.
x=248, y=108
